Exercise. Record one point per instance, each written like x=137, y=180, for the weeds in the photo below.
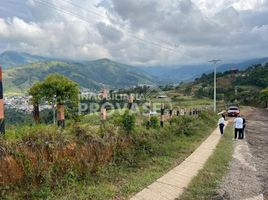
x=100, y=164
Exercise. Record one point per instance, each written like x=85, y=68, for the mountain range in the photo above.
x=92, y=75
x=21, y=70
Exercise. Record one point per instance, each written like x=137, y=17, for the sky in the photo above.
x=137, y=32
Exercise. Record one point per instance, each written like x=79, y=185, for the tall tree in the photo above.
x=59, y=89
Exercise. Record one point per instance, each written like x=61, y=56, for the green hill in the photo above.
x=242, y=85
x=93, y=75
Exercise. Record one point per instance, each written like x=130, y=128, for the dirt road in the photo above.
x=247, y=178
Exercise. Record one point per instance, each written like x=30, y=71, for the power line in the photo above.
x=87, y=10
x=91, y=11
x=52, y=6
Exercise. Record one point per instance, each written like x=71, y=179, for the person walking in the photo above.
x=238, y=126
x=221, y=123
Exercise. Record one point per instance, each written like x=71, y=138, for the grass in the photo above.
x=137, y=170
x=123, y=180
x=156, y=152
x=205, y=184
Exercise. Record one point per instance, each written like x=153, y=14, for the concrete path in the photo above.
x=171, y=185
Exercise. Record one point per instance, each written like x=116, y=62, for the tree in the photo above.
x=59, y=89
x=264, y=96
x=36, y=91
x=56, y=89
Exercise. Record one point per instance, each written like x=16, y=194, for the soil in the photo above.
x=247, y=178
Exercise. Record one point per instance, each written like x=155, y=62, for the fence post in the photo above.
x=162, y=110
x=60, y=115
x=149, y=120
x=2, y=119
x=103, y=113
x=130, y=101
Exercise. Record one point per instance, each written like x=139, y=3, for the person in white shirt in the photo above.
x=221, y=123
x=238, y=125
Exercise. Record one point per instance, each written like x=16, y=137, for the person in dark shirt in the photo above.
x=243, y=131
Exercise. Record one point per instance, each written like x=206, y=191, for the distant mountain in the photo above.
x=22, y=69
x=242, y=65
x=185, y=73
x=91, y=74
x=176, y=74
x=13, y=58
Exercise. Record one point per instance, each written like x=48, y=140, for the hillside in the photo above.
x=93, y=74
x=243, y=86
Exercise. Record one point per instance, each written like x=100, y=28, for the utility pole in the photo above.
x=54, y=109
x=215, y=82
x=236, y=94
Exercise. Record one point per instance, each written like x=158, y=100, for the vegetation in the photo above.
x=55, y=89
x=93, y=75
x=206, y=183
x=241, y=86
x=128, y=121
x=59, y=89
x=264, y=96
x=15, y=117
x=116, y=164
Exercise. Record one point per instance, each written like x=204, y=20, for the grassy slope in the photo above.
x=205, y=184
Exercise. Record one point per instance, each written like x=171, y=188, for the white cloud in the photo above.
x=132, y=31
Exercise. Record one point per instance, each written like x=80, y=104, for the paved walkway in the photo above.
x=171, y=185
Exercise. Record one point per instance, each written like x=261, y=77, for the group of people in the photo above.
x=239, y=126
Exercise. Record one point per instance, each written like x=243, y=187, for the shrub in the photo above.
x=154, y=122
x=128, y=122
x=208, y=117
x=183, y=125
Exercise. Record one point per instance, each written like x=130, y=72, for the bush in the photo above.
x=208, y=117
x=154, y=122
x=128, y=122
x=183, y=125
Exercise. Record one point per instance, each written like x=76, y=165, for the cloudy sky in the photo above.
x=141, y=32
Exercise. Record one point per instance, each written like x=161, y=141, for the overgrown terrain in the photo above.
x=85, y=161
